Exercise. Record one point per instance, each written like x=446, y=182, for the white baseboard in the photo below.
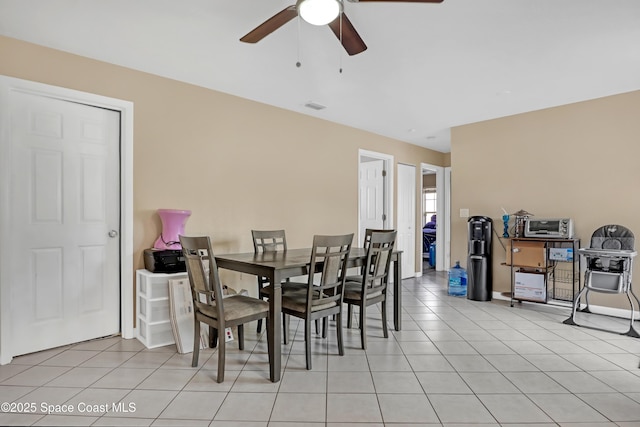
x=499, y=296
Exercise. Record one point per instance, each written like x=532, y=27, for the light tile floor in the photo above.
x=455, y=363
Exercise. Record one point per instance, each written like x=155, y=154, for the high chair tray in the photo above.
x=620, y=253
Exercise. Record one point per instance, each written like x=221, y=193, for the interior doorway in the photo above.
x=429, y=214
x=435, y=218
x=375, y=192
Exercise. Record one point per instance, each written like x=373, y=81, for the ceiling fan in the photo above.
x=320, y=12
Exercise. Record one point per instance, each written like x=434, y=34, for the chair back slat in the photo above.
x=369, y=231
x=376, y=269
x=379, y=266
x=329, y=256
x=367, y=238
x=269, y=240
x=202, y=269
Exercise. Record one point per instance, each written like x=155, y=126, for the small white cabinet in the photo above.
x=152, y=308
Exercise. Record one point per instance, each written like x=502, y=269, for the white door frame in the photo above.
x=447, y=218
x=388, y=187
x=443, y=221
x=9, y=84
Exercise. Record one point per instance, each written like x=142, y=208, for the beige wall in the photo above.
x=248, y=165
x=429, y=180
x=579, y=161
x=447, y=159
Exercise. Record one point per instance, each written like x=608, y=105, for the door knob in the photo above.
x=113, y=233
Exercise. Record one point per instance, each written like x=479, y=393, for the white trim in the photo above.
x=125, y=108
x=413, y=253
x=447, y=217
x=389, y=167
x=5, y=168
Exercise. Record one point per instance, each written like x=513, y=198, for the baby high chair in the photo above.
x=609, y=261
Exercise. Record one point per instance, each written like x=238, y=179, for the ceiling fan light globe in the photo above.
x=319, y=12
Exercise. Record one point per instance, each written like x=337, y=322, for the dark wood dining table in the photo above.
x=278, y=266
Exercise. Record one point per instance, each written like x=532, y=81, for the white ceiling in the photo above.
x=428, y=67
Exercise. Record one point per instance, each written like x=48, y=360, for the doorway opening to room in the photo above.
x=435, y=198
x=429, y=219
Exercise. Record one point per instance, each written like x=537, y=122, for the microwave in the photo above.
x=556, y=228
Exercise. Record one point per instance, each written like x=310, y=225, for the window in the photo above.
x=429, y=197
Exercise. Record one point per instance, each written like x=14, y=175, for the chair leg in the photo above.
x=196, y=343
x=632, y=331
x=241, y=337
x=221, y=355
x=630, y=291
x=349, y=315
x=586, y=298
x=307, y=341
x=285, y=328
x=317, y=326
x=325, y=326
x=213, y=337
x=634, y=295
x=363, y=326
x=385, y=330
x=339, y=332
x=259, y=327
x=576, y=306
x=269, y=340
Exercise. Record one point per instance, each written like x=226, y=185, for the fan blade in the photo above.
x=351, y=40
x=270, y=25
x=400, y=1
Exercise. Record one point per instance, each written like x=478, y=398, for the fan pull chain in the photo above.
x=298, y=62
x=340, y=50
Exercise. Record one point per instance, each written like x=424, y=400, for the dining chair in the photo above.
x=266, y=241
x=372, y=289
x=323, y=295
x=367, y=241
x=209, y=304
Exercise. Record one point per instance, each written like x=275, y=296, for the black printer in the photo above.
x=164, y=260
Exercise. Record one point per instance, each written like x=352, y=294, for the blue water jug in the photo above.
x=432, y=255
x=457, y=281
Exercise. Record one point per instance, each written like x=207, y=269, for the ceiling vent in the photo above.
x=314, y=106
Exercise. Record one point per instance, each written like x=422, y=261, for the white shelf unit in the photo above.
x=152, y=308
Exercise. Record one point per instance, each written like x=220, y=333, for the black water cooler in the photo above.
x=479, y=264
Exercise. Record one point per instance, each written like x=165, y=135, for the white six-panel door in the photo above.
x=371, y=184
x=406, y=240
x=65, y=209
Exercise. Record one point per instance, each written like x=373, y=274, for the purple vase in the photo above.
x=173, y=221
